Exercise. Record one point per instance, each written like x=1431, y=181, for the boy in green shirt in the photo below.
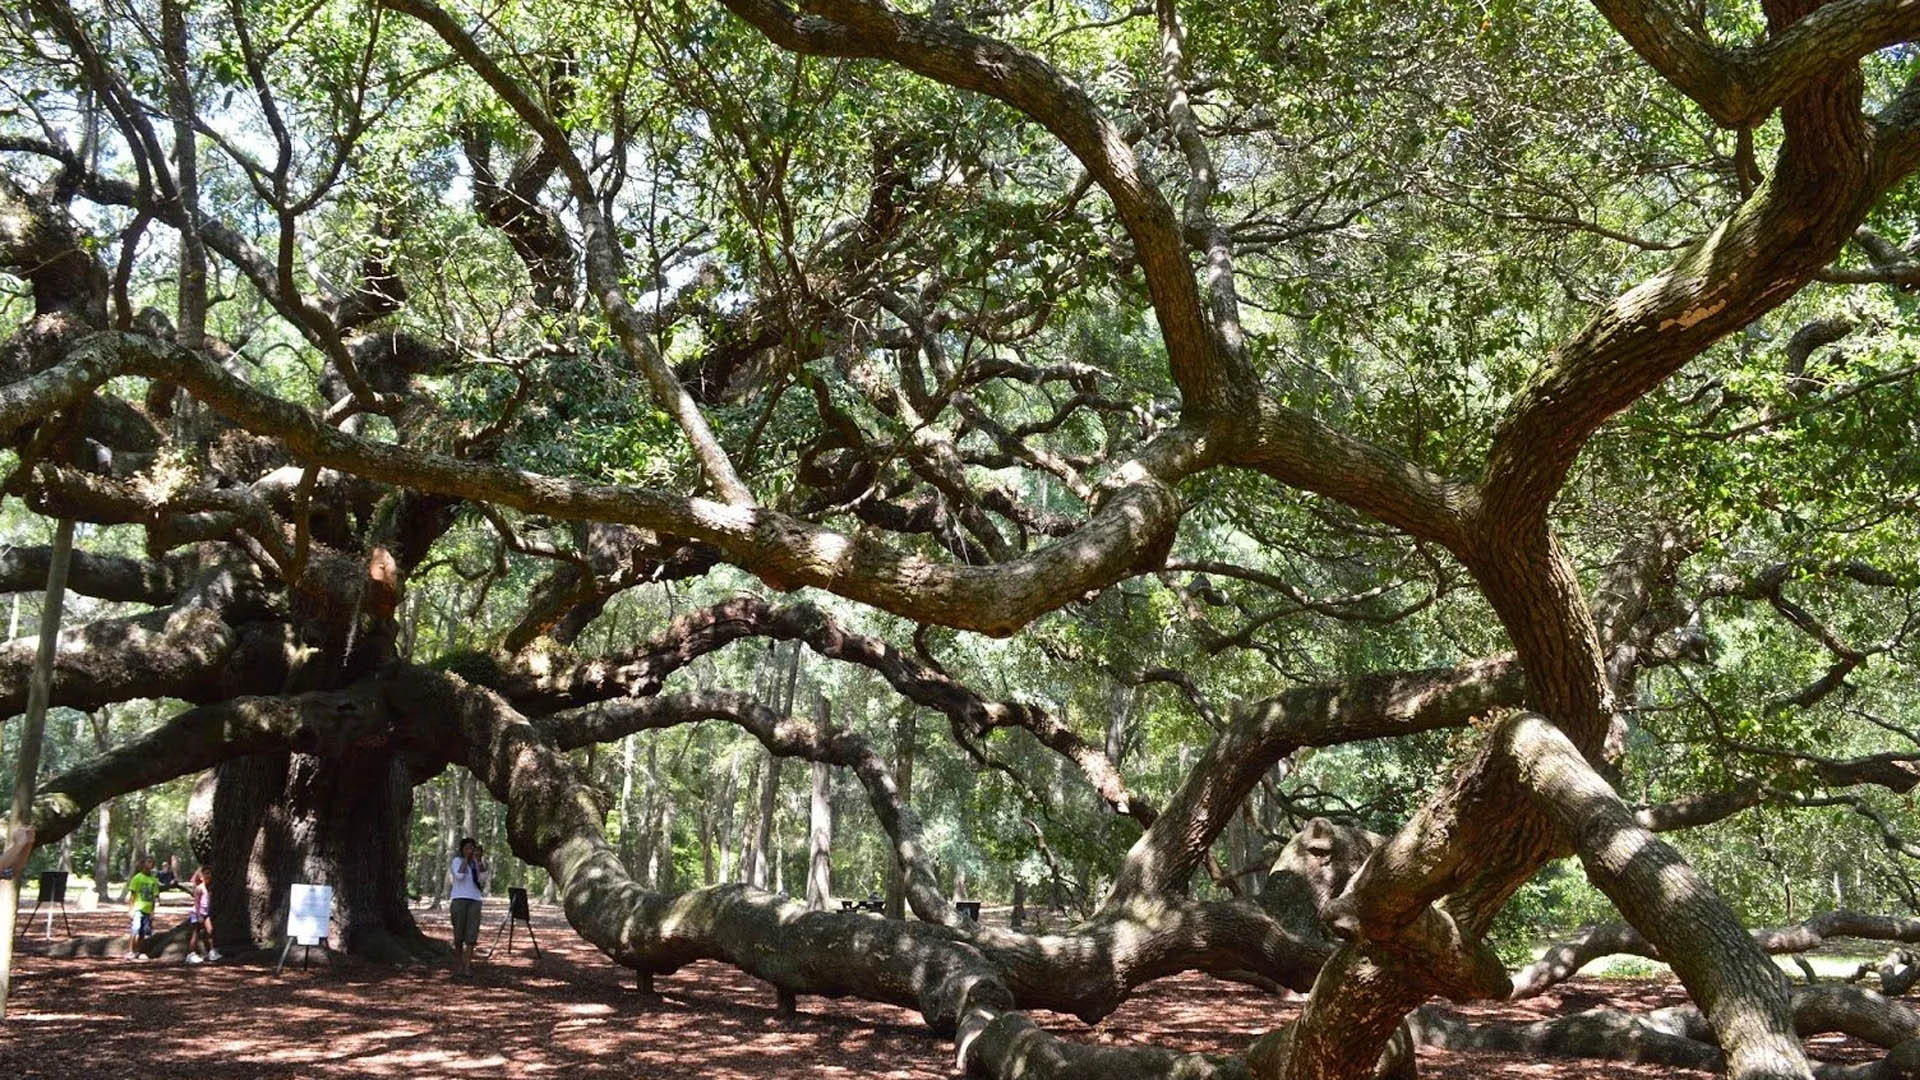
x=143, y=889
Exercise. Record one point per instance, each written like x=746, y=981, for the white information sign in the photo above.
x=310, y=914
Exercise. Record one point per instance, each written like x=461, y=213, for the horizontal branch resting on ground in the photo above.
x=1681, y=1037
x=1561, y=961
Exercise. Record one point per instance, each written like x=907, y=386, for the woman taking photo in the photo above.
x=469, y=873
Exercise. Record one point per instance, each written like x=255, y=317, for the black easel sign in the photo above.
x=53, y=890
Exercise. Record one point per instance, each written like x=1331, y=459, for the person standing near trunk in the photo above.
x=469, y=873
x=200, y=919
x=143, y=889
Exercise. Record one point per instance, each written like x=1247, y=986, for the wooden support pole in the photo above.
x=39, y=691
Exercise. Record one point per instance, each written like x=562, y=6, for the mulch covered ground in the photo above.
x=572, y=1014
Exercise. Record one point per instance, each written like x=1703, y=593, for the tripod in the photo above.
x=517, y=912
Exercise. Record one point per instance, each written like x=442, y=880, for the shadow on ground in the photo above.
x=573, y=1014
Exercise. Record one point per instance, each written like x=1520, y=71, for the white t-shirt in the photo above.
x=467, y=883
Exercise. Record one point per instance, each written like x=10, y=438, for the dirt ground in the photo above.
x=573, y=1014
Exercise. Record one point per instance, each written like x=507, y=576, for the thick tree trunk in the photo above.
x=267, y=822
x=1741, y=992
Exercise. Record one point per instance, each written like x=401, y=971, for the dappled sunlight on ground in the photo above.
x=1187, y=1012
x=573, y=1014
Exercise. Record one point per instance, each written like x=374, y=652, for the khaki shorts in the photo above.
x=466, y=921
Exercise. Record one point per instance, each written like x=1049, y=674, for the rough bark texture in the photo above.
x=265, y=823
x=1742, y=993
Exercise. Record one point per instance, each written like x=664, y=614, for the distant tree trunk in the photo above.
x=449, y=832
x=763, y=839
x=1119, y=712
x=729, y=792
x=665, y=876
x=647, y=846
x=758, y=872
x=1019, y=916
x=707, y=812
x=960, y=882
x=438, y=855
x=820, y=825
x=80, y=725
x=103, y=839
x=450, y=632
x=1053, y=866
x=904, y=730
x=749, y=831
x=469, y=807
x=779, y=859
x=103, y=852
x=630, y=830
x=1251, y=844
x=411, y=634
x=136, y=836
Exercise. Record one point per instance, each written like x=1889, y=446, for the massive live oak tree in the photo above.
x=960, y=317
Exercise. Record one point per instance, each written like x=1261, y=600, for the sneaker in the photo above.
x=139, y=956
x=213, y=954
x=194, y=958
